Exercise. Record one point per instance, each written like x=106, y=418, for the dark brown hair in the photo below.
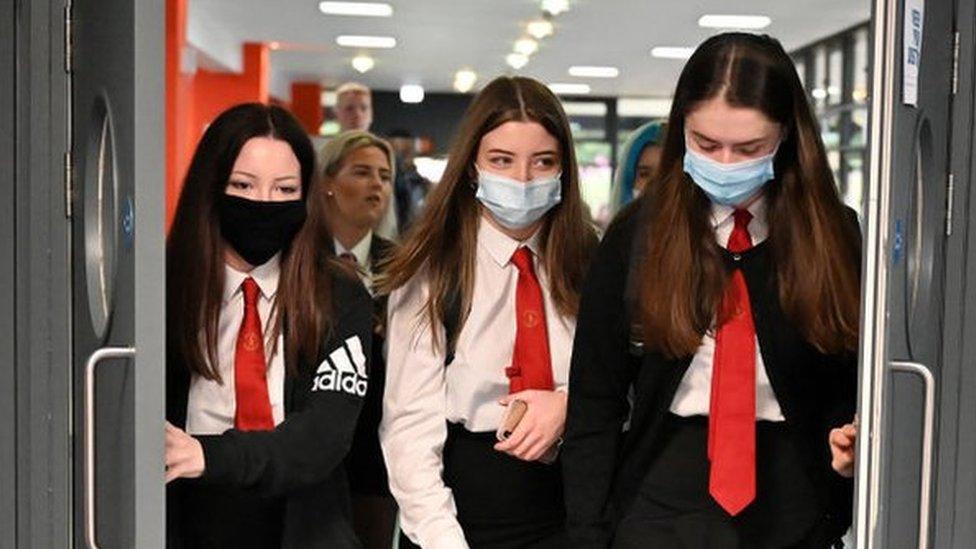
x=442, y=243
x=815, y=247
x=195, y=256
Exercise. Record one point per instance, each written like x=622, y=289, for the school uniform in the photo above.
x=374, y=511
x=636, y=450
x=439, y=420
x=367, y=472
x=281, y=487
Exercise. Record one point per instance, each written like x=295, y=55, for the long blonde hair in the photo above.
x=442, y=243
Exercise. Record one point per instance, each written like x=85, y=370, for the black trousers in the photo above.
x=502, y=502
x=673, y=509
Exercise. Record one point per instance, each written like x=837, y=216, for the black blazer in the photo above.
x=603, y=465
x=298, y=464
x=367, y=469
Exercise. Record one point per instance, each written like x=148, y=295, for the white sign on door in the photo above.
x=914, y=18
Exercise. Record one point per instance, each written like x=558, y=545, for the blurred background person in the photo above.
x=410, y=188
x=354, y=107
x=354, y=111
x=357, y=169
x=638, y=160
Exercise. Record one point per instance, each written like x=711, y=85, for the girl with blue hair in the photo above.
x=638, y=160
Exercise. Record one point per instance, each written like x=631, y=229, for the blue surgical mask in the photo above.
x=728, y=184
x=515, y=204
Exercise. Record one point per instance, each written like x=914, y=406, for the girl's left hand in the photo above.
x=184, y=454
x=541, y=426
x=842, y=441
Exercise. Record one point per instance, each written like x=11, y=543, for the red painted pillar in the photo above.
x=306, y=105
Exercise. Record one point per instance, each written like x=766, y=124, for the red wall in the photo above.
x=194, y=100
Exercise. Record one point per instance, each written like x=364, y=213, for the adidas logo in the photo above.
x=344, y=370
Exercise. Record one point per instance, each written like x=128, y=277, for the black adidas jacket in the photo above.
x=289, y=481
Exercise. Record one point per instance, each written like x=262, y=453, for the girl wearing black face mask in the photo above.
x=268, y=344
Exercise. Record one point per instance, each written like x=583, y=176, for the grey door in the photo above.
x=117, y=228
x=902, y=366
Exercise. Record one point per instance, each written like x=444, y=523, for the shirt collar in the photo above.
x=265, y=275
x=360, y=250
x=722, y=213
x=500, y=246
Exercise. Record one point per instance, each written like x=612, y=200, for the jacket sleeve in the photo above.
x=310, y=443
x=599, y=381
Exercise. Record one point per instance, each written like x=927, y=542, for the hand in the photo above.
x=541, y=426
x=842, y=442
x=184, y=455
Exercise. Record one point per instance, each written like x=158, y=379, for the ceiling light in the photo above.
x=569, y=89
x=540, y=28
x=464, y=80
x=668, y=52
x=274, y=45
x=594, y=72
x=734, y=21
x=366, y=9
x=363, y=63
x=351, y=41
x=411, y=93
x=555, y=7
x=526, y=46
x=516, y=60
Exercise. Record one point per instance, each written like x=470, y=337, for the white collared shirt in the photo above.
x=693, y=397
x=421, y=394
x=211, y=406
x=361, y=252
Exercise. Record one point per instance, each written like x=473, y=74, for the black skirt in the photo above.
x=673, y=508
x=502, y=502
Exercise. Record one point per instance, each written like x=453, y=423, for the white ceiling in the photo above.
x=437, y=37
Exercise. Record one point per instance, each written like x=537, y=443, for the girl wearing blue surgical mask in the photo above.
x=482, y=311
x=712, y=388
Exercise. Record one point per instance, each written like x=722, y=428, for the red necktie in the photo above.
x=531, y=366
x=732, y=416
x=349, y=258
x=250, y=370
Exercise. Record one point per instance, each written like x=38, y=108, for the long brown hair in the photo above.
x=442, y=243
x=194, y=247
x=815, y=247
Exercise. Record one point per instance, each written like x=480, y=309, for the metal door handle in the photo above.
x=925, y=498
x=90, y=365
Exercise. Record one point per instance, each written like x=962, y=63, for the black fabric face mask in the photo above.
x=259, y=230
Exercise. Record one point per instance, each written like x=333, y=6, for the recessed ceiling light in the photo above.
x=540, y=28
x=526, y=46
x=351, y=41
x=464, y=80
x=669, y=52
x=516, y=60
x=555, y=7
x=366, y=9
x=569, y=89
x=411, y=93
x=594, y=72
x=734, y=21
x=363, y=63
